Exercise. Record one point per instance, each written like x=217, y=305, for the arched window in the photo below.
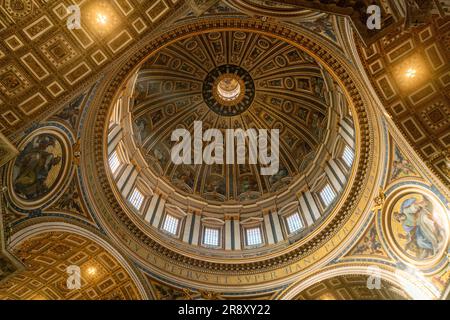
x=348, y=156
x=211, y=237
x=171, y=224
x=253, y=236
x=136, y=199
x=328, y=195
x=114, y=162
x=294, y=222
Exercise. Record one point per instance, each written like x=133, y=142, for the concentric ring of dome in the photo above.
x=291, y=94
x=282, y=88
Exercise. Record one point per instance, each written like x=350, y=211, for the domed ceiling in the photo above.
x=231, y=80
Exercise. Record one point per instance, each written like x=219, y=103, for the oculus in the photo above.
x=228, y=90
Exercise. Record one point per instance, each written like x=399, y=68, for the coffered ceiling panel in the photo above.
x=47, y=257
x=42, y=61
x=409, y=69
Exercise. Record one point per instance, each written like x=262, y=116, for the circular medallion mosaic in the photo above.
x=418, y=226
x=40, y=168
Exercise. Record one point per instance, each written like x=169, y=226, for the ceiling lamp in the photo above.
x=411, y=73
x=101, y=18
x=92, y=271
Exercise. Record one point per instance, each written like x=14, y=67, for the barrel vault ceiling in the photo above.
x=350, y=288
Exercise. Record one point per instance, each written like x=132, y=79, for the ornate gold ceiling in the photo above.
x=147, y=245
x=288, y=93
x=46, y=258
x=271, y=9
x=43, y=64
x=419, y=105
x=352, y=287
x=42, y=70
x=56, y=80
x=355, y=11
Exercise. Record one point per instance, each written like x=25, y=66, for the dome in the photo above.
x=243, y=130
x=224, y=149
x=213, y=78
